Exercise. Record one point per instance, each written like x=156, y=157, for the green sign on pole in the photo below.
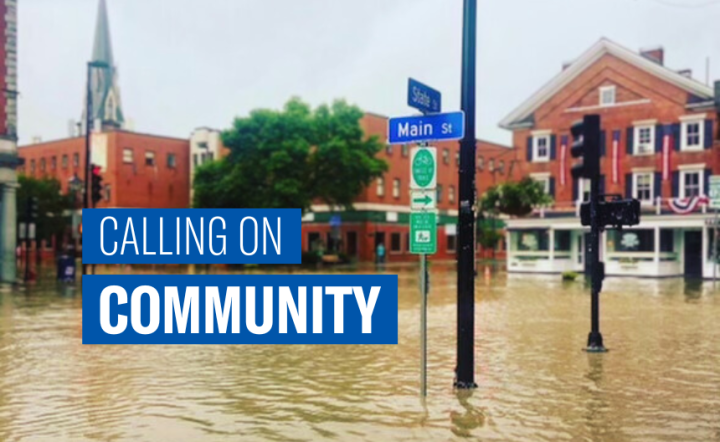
x=423, y=233
x=423, y=172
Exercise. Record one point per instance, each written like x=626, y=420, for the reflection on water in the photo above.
x=659, y=381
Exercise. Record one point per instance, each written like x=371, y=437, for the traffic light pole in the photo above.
x=595, y=339
x=465, y=371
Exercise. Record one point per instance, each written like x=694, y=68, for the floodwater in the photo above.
x=659, y=382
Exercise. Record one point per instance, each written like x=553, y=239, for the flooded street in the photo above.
x=659, y=382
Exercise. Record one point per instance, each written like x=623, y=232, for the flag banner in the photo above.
x=240, y=309
x=683, y=206
x=191, y=236
x=615, y=156
x=666, y=150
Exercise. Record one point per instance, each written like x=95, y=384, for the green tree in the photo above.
x=52, y=205
x=290, y=158
x=514, y=198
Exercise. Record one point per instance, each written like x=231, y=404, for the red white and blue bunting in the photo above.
x=683, y=206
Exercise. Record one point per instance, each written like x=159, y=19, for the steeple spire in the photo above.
x=106, y=104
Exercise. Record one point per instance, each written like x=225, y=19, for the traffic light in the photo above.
x=32, y=209
x=586, y=145
x=96, y=191
x=616, y=213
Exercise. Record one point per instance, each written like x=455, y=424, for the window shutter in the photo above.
x=553, y=148
x=675, y=184
x=629, y=146
x=601, y=185
x=529, y=149
x=574, y=189
x=551, y=186
x=659, y=134
x=706, y=183
x=603, y=142
x=676, y=136
x=628, y=185
x=709, y=136
x=657, y=187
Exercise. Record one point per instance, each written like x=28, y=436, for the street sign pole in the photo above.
x=465, y=371
x=424, y=279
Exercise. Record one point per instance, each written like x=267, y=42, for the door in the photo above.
x=693, y=254
x=351, y=246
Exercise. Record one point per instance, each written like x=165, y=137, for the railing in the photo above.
x=655, y=207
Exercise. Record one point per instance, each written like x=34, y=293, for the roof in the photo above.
x=523, y=113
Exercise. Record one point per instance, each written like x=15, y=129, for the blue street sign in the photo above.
x=423, y=97
x=335, y=221
x=435, y=127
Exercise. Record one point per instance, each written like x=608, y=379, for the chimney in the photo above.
x=72, y=128
x=36, y=140
x=655, y=54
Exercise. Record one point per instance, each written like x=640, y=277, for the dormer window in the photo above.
x=607, y=95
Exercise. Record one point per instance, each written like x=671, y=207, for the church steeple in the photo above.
x=106, y=104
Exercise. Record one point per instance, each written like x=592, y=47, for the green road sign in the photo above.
x=714, y=192
x=423, y=233
x=423, y=168
x=423, y=199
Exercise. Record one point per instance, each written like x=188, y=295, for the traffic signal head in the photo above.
x=96, y=191
x=586, y=145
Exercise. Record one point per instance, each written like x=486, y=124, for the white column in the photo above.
x=551, y=246
x=656, y=256
x=705, y=250
x=8, y=218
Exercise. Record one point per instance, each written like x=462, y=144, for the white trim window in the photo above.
x=544, y=179
x=607, y=96
x=643, y=183
x=644, y=143
x=692, y=134
x=380, y=186
x=396, y=188
x=691, y=183
x=541, y=148
x=584, y=189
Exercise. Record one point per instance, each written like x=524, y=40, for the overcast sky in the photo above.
x=189, y=63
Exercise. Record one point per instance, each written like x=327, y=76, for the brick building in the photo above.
x=381, y=212
x=659, y=144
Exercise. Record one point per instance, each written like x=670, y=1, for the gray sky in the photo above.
x=189, y=63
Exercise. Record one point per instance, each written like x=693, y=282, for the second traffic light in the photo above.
x=586, y=145
x=96, y=185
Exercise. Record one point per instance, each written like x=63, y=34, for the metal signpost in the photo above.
x=714, y=193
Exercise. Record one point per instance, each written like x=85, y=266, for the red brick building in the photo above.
x=381, y=212
x=659, y=144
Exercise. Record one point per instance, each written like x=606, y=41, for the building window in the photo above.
x=541, y=148
x=532, y=240
x=481, y=163
x=644, y=140
x=544, y=181
x=643, y=186
x=501, y=167
x=667, y=240
x=451, y=194
x=127, y=155
x=42, y=164
x=388, y=149
x=76, y=160
x=457, y=158
x=32, y=166
x=53, y=163
x=149, y=158
x=195, y=159
x=439, y=193
x=404, y=150
x=446, y=156
x=380, y=186
x=171, y=161
x=584, y=189
x=691, y=183
x=692, y=135
x=562, y=240
x=491, y=165
x=450, y=242
x=64, y=161
x=636, y=240
x=396, y=188
x=107, y=192
x=607, y=95
x=395, y=245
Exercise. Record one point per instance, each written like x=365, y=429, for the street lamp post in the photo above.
x=88, y=129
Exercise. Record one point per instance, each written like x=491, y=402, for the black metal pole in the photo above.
x=88, y=125
x=27, y=240
x=595, y=339
x=465, y=371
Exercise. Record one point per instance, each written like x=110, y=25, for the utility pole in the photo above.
x=465, y=371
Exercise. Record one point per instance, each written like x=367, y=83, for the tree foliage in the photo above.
x=290, y=158
x=488, y=237
x=514, y=198
x=52, y=204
